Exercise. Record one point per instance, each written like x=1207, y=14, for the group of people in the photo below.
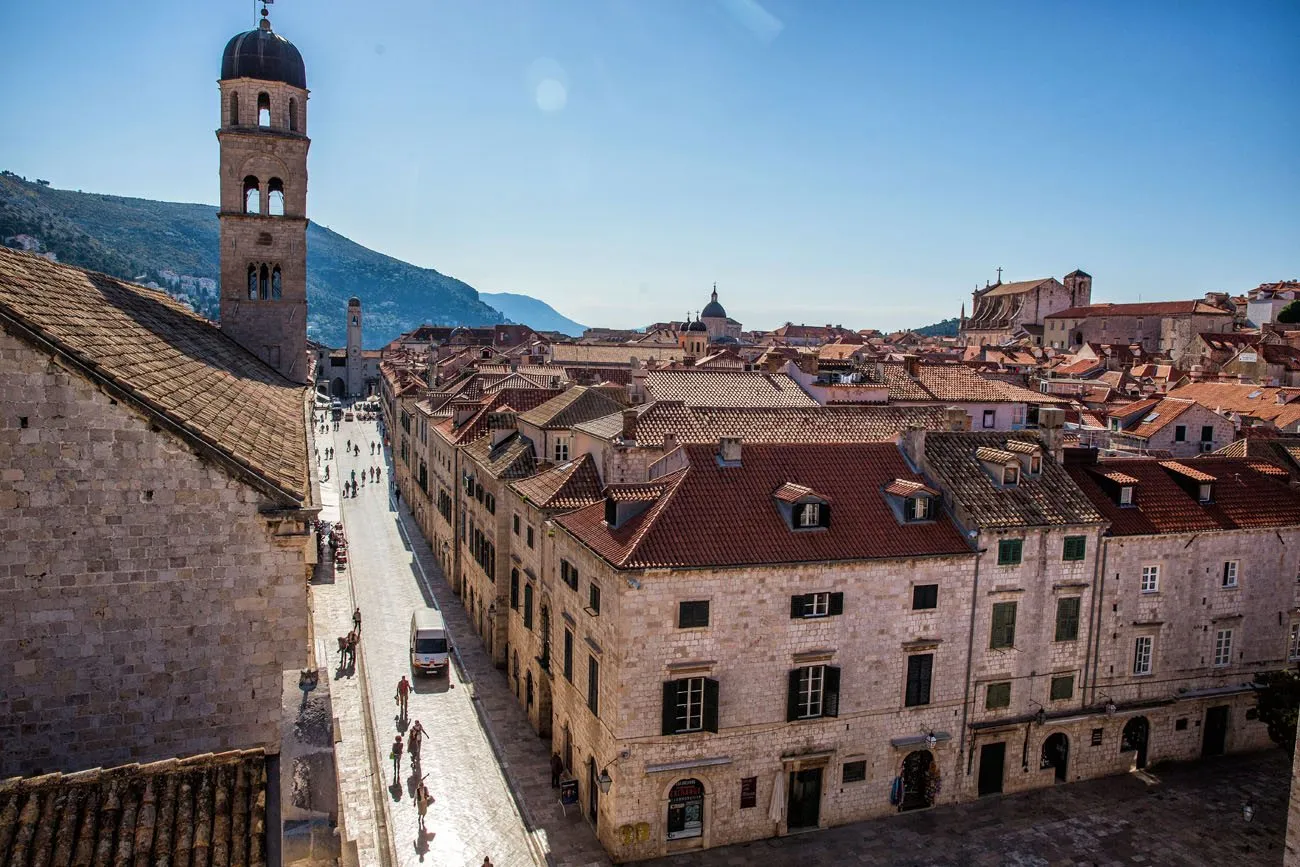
x=414, y=740
x=348, y=643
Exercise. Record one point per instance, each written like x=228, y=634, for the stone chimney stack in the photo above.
x=955, y=418
x=912, y=364
x=1051, y=423
x=729, y=451
x=628, y=433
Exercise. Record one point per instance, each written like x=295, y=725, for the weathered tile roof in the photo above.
x=169, y=362
x=1257, y=401
x=1016, y=288
x=792, y=493
x=569, y=486
x=1165, y=412
x=517, y=399
x=1047, y=499
x=617, y=353
x=995, y=455
x=816, y=424
x=1243, y=497
x=1282, y=451
x=1024, y=447
x=1190, y=472
x=907, y=488
x=578, y=404
x=202, y=811
x=512, y=458
x=726, y=388
x=713, y=516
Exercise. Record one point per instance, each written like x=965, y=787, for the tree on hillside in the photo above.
x=1290, y=314
x=1278, y=697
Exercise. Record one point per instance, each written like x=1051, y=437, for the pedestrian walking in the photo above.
x=352, y=648
x=343, y=648
x=422, y=801
x=356, y=451
x=403, y=693
x=557, y=768
x=396, y=755
x=413, y=742
x=349, y=444
x=356, y=621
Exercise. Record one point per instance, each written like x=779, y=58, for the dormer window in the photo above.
x=911, y=500
x=1035, y=465
x=1126, y=495
x=1207, y=492
x=1010, y=476
x=809, y=514
x=918, y=508
x=802, y=507
x=1003, y=465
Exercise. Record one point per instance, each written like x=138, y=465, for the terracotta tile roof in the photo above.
x=617, y=353
x=1184, y=470
x=512, y=458
x=1016, y=288
x=1119, y=478
x=569, y=486
x=578, y=404
x=711, y=516
x=1243, y=498
x=995, y=455
x=792, y=493
x=202, y=811
x=1047, y=499
x=1024, y=447
x=1283, y=452
x=1165, y=411
x=517, y=399
x=908, y=487
x=817, y=424
x=169, y=362
x=956, y=383
x=1257, y=401
x=643, y=492
x=726, y=388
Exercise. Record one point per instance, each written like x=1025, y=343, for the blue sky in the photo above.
x=854, y=162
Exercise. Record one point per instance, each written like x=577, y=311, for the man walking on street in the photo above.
x=414, y=740
x=396, y=754
x=356, y=621
x=557, y=768
x=403, y=692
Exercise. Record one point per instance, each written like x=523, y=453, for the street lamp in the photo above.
x=1109, y=707
x=605, y=781
x=1248, y=810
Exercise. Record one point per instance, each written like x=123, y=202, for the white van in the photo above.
x=429, y=645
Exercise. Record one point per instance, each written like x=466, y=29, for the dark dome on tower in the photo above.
x=264, y=55
x=697, y=325
x=713, y=310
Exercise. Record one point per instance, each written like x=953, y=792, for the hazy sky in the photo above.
x=844, y=162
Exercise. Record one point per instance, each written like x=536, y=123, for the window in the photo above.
x=1230, y=573
x=1207, y=493
x=816, y=605
x=275, y=197
x=1075, y=548
x=568, y=656
x=478, y=492
x=514, y=589
x=1010, y=476
x=990, y=418
x=593, y=598
x=264, y=283
x=593, y=686
x=1035, y=465
x=809, y=514
x=263, y=110
x=1126, y=495
x=1142, y=654
x=1150, y=579
x=918, y=509
x=997, y=695
x=1067, y=618
x=490, y=503
x=293, y=114
x=1293, y=647
x=275, y=283
x=748, y=792
x=1207, y=433
x=530, y=536
x=1097, y=736
x=1180, y=724
x=1223, y=647
x=234, y=109
x=925, y=596
x=1009, y=551
x=690, y=705
x=528, y=605
x=691, y=615
x=920, y=668
x=515, y=524
x=1062, y=687
x=814, y=692
x=1003, y=633
x=568, y=573
x=561, y=449
x=685, y=810
x=1180, y=433
x=252, y=284
x=854, y=772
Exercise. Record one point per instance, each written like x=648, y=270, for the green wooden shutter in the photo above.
x=824, y=515
x=830, y=691
x=836, y=604
x=797, y=604
x=710, y=705
x=792, y=695
x=670, y=707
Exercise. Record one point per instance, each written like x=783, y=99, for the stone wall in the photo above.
x=148, y=611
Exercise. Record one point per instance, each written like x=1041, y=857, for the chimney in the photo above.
x=912, y=364
x=463, y=410
x=500, y=425
x=1051, y=420
x=729, y=451
x=628, y=434
x=1197, y=373
x=670, y=442
x=955, y=418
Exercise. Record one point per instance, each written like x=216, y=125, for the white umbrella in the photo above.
x=776, y=812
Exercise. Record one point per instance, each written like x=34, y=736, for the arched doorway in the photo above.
x=338, y=387
x=918, y=787
x=1134, y=738
x=1056, y=754
x=686, y=810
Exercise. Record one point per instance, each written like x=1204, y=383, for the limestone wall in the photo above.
x=146, y=611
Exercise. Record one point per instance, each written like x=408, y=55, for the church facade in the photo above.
x=1004, y=312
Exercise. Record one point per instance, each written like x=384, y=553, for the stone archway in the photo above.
x=1056, y=754
x=917, y=783
x=338, y=387
x=1134, y=739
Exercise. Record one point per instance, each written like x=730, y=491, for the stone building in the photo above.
x=1167, y=328
x=721, y=327
x=1008, y=311
x=1172, y=426
x=154, y=510
x=263, y=216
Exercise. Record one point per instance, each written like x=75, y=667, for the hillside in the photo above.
x=533, y=312
x=174, y=246
x=946, y=328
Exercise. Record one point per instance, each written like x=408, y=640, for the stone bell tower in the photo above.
x=263, y=216
x=355, y=368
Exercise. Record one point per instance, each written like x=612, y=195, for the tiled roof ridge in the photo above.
x=1184, y=470
x=672, y=483
x=87, y=775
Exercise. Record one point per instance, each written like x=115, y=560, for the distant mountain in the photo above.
x=946, y=328
x=532, y=312
x=174, y=246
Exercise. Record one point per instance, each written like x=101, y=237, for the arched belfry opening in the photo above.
x=275, y=197
x=293, y=114
x=234, y=109
x=252, y=196
x=264, y=110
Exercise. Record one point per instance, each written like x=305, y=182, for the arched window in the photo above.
x=275, y=197
x=234, y=109
x=686, y=810
x=275, y=283
x=293, y=114
x=264, y=283
x=263, y=110
x=252, y=282
x=252, y=196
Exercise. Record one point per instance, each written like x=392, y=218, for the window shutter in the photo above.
x=837, y=603
x=1226, y=567
x=792, y=696
x=824, y=515
x=710, y=705
x=670, y=707
x=831, y=691
x=797, y=603
x=796, y=515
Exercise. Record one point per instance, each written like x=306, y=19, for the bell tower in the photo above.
x=263, y=142
x=356, y=371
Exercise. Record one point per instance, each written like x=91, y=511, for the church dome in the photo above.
x=697, y=325
x=713, y=310
x=264, y=55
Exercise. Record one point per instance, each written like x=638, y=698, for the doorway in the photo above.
x=593, y=793
x=992, y=759
x=1134, y=738
x=338, y=387
x=916, y=781
x=1056, y=754
x=1216, y=731
x=804, y=810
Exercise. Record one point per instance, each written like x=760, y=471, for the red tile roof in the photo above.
x=1243, y=497
x=712, y=516
x=568, y=486
x=726, y=388
x=1165, y=411
x=1183, y=469
x=517, y=399
x=792, y=493
x=1257, y=401
x=908, y=488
